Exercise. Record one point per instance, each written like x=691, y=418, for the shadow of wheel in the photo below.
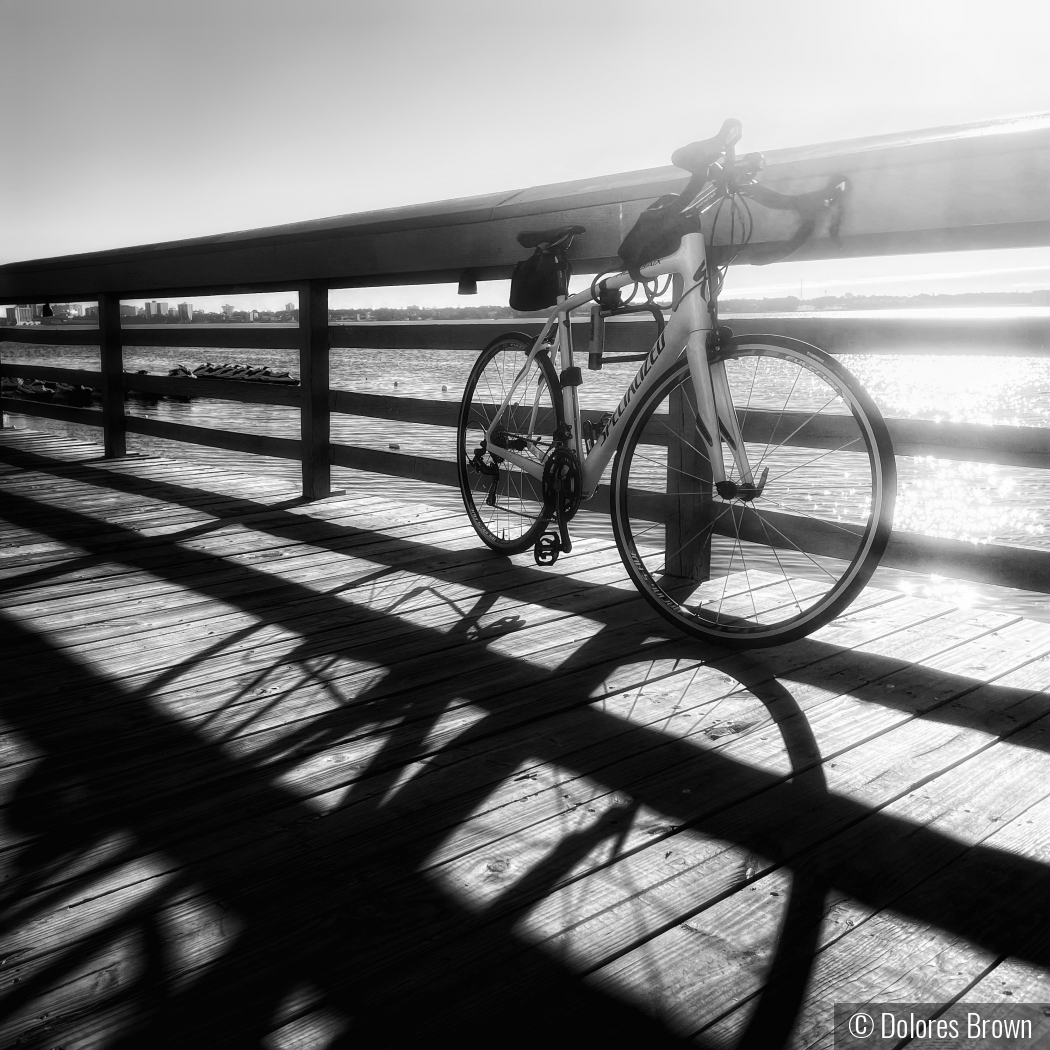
x=774, y=1009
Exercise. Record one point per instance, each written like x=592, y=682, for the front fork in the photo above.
x=716, y=420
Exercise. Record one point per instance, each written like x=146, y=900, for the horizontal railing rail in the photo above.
x=979, y=186
x=1002, y=444
x=976, y=186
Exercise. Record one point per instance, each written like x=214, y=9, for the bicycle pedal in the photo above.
x=548, y=547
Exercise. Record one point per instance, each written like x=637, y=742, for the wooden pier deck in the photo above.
x=291, y=774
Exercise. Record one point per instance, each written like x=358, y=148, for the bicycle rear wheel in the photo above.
x=504, y=502
x=762, y=571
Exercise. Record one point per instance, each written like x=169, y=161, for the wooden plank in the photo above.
x=1024, y=568
x=1021, y=567
x=1008, y=445
x=689, y=484
x=890, y=334
x=65, y=335
x=114, y=432
x=399, y=465
x=409, y=409
x=282, y=448
x=314, y=413
x=249, y=335
x=497, y=684
x=402, y=409
x=50, y=373
x=45, y=409
x=910, y=335
x=872, y=333
x=682, y=950
x=223, y=390
x=975, y=186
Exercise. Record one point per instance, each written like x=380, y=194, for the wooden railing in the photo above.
x=975, y=187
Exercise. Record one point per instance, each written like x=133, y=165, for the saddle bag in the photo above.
x=538, y=280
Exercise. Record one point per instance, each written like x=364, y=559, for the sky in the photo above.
x=137, y=121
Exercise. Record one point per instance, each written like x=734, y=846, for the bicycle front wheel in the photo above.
x=504, y=502
x=737, y=569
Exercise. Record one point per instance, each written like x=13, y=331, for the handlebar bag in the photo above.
x=658, y=232
x=538, y=280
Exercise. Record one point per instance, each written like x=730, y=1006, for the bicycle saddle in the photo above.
x=534, y=238
x=697, y=157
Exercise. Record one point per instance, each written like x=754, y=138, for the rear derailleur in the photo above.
x=491, y=469
x=562, y=492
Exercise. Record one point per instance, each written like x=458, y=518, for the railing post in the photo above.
x=688, y=539
x=113, y=427
x=315, y=415
x=687, y=544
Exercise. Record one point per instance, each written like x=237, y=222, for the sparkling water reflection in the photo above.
x=979, y=502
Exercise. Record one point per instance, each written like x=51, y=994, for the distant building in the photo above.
x=185, y=311
x=127, y=310
x=25, y=314
x=253, y=315
x=156, y=309
x=227, y=310
x=91, y=311
x=289, y=307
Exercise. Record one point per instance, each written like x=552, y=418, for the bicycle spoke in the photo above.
x=816, y=459
x=811, y=517
x=762, y=586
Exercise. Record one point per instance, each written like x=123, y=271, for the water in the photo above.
x=978, y=502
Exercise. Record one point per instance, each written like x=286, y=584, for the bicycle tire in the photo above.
x=749, y=573
x=515, y=520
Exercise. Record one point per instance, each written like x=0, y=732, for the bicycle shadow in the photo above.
x=347, y=902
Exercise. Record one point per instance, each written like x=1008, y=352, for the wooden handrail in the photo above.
x=975, y=186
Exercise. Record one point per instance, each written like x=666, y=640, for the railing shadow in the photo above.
x=348, y=903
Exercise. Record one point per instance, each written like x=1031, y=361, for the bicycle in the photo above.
x=754, y=481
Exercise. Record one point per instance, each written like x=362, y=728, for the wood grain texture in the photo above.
x=66, y=335
x=1008, y=445
x=46, y=410
x=53, y=374
x=223, y=390
x=247, y=336
x=111, y=351
x=314, y=412
x=262, y=762
x=889, y=334
x=283, y=448
x=976, y=186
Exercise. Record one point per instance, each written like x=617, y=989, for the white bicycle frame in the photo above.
x=686, y=330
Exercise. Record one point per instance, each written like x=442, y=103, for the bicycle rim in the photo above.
x=767, y=570
x=506, y=507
